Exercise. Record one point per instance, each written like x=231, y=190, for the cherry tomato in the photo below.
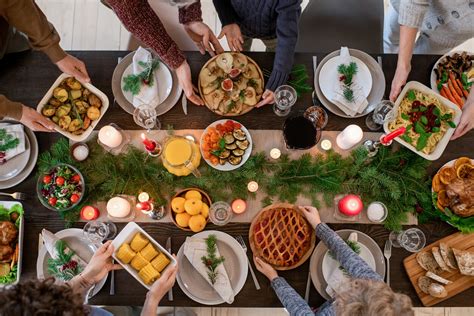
x=47, y=179
x=60, y=181
x=76, y=178
x=52, y=201
x=74, y=198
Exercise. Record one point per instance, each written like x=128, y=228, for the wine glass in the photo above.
x=412, y=239
x=285, y=98
x=146, y=117
x=382, y=113
x=98, y=231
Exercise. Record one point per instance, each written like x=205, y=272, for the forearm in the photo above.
x=348, y=259
x=292, y=301
x=140, y=19
x=80, y=284
x=407, y=43
x=225, y=11
x=190, y=13
x=150, y=306
x=10, y=109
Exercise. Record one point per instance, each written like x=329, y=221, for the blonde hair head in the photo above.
x=371, y=298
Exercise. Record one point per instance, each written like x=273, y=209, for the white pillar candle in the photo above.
x=326, y=144
x=349, y=137
x=110, y=136
x=275, y=153
x=252, y=186
x=118, y=207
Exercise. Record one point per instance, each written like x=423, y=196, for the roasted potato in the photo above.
x=55, y=102
x=55, y=119
x=81, y=106
x=87, y=123
x=86, y=93
x=76, y=94
x=60, y=94
x=64, y=122
x=63, y=110
x=48, y=110
x=75, y=125
x=93, y=113
x=94, y=101
x=73, y=83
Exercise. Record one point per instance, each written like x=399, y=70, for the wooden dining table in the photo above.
x=25, y=77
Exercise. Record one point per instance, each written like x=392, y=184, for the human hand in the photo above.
x=233, y=35
x=163, y=284
x=312, y=215
x=467, y=118
x=399, y=80
x=184, y=77
x=74, y=67
x=35, y=121
x=100, y=264
x=268, y=97
x=204, y=38
x=264, y=268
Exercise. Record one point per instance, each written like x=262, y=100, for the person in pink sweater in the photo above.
x=140, y=19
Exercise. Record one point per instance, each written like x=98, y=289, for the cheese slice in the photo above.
x=194, y=250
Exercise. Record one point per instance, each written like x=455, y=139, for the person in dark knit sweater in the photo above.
x=275, y=22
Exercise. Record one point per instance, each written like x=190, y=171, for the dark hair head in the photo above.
x=41, y=298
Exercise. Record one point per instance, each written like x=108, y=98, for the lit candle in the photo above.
x=275, y=153
x=150, y=145
x=89, y=213
x=118, y=207
x=376, y=212
x=252, y=186
x=144, y=206
x=350, y=205
x=349, y=137
x=143, y=197
x=239, y=206
x=110, y=136
x=326, y=144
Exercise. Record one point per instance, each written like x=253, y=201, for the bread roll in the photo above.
x=437, y=290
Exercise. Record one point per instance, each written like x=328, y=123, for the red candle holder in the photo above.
x=151, y=146
x=89, y=213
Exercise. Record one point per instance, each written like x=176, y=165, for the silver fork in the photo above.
x=387, y=252
x=241, y=241
x=16, y=195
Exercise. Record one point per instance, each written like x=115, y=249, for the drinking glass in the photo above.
x=145, y=116
x=220, y=213
x=412, y=239
x=98, y=231
x=382, y=113
x=285, y=98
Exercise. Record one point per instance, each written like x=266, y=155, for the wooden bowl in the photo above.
x=312, y=241
x=205, y=198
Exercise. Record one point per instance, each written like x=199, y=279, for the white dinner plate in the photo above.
x=76, y=242
x=228, y=166
x=15, y=165
x=23, y=174
x=329, y=77
x=434, y=86
x=236, y=265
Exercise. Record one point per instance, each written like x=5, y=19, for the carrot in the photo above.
x=455, y=94
x=454, y=84
x=443, y=93
x=464, y=91
x=449, y=95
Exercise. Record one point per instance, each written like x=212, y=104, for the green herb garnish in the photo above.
x=211, y=261
x=411, y=95
x=7, y=141
x=221, y=149
x=405, y=116
x=133, y=83
x=422, y=141
x=63, y=267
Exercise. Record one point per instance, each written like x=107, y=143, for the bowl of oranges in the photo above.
x=190, y=209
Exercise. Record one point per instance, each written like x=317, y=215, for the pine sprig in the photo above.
x=133, y=83
x=63, y=267
x=347, y=73
x=211, y=261
x=7, y=141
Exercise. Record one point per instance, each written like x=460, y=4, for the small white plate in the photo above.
x=227, y=166
x=17, y=164
x=76, y=242
x=329, y=77
x=236, y=266
x=163, y=82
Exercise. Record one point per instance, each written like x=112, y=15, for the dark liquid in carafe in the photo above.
x=299, y=133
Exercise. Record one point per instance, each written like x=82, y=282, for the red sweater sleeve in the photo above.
x=190, y=13
x=139, y=18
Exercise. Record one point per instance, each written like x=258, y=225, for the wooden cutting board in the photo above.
x=460, y=282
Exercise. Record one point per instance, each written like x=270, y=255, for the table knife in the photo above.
x=184, y=102
x=308, y=287
x=168, y=244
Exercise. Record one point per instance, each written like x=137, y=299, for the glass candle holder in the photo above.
x=220, y=213
x=113, y=139
x=116, y=208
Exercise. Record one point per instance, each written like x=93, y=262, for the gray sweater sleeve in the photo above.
x=412, y=12
x=348, y=259
x=292, y=301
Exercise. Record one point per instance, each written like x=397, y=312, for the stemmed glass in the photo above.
x=146, y=117
x=412, y=239
x=285, y=98
x=382, y=113
x=98, y=231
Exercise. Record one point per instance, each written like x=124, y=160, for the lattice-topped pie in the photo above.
x=281, y=236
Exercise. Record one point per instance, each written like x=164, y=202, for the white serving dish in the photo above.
x=434, y=86
x=94, y=90
x=126, y=236
x=21, y=231
x=441, y=146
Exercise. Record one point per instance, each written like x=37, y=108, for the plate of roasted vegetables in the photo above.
x=11, y=242
x=453, y=76
x=231, y=84
x=74, y=107
x=226, y=145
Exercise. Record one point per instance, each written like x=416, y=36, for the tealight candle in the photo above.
x=239, y=206
x=275, y=153
x=150, y=145
x=118, y=207
x=89, y=213
x=252, y=186
x=80, y=152
x=326, y=144
x=349, y=137
x=350, y=205
x=110, y=136
x=143, y=197
x=377, y=212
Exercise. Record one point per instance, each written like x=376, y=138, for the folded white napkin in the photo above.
x=360, y=101
x=148, y=94
x=194, y=250
x=16, y=130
